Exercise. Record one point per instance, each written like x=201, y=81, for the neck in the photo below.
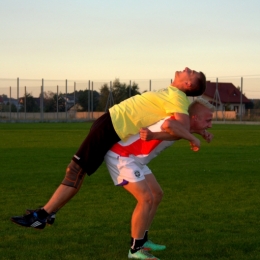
x=180, y=87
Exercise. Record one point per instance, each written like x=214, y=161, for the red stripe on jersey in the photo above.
x=139, y=147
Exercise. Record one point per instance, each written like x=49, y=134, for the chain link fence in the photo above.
x=28, y=100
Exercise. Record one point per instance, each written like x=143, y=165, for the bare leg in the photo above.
x=142, y=193
x=64, y=193
x=157, y=193
x=60, y=197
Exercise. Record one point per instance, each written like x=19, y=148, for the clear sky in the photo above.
x=140, y=39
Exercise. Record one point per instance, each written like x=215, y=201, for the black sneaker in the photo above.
x=30, y=220
x=50, y=218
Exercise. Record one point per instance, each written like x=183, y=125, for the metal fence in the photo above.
x=13, y=93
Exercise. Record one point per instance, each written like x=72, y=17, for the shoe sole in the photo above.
x=26, y=226
x=150, y=249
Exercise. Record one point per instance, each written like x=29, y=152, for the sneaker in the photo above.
x=30, y=220
x=141, y=254
x=50, y=218
x=149, y=245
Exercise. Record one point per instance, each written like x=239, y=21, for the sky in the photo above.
x=140, y=39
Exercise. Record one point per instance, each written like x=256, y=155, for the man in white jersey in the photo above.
x=126, y=162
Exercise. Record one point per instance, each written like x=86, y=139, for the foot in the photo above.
x=30, y=220
x=151, y=246
x=50, y=218
x=141, y=254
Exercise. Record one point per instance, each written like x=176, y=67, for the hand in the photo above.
x=195, y=145
x=207, y=136
x=145, y=134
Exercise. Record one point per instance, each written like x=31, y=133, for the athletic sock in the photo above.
x=136, y=244
x=145, y=236
x=42, y=214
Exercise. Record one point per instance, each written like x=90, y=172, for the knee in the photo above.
x=74, y=175
x=157, y=196
x=147, y=198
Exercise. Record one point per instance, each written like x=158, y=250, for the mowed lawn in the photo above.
x=210, y=208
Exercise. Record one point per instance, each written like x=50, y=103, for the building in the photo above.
x=226, y=97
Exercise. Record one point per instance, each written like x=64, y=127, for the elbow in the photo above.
x=165, y=125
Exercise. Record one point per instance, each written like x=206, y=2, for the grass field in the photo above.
x=210, y=208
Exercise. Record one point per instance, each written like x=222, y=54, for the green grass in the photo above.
x=210, y=208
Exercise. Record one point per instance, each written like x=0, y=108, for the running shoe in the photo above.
x=30, y=220
x=149, y=245
x=50, y=218
x=141, y=254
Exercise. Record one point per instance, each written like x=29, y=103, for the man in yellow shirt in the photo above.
x=119, y=123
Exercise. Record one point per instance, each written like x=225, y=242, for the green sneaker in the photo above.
x=141, y=254
x=149, y=245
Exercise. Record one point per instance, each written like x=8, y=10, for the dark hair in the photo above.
x=199, y=86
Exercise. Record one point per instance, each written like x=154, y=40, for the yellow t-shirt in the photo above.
x=146, y=109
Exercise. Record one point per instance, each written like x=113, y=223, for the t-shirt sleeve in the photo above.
x=179, y=103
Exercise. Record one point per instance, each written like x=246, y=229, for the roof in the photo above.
x=228, y=93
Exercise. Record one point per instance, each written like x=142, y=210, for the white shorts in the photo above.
x=125, y=169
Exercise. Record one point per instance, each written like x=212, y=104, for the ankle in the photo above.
x=42, y=214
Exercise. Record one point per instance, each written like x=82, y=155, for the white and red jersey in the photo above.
x=142, y=151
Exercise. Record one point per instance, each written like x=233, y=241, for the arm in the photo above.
x=176, y=129
x=183, y=119
x=172, y=130
x=147, y=135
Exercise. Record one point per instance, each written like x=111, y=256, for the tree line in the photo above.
x=84, y=100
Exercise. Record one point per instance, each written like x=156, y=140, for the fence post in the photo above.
x=41, y=101
x=74, y=94
x=241, y=96
x=10, y=107
x=66, y=110
x=150, y=85
x=57, y=109
x=216, y=100
x=92, y=101
x=89, y=100
x=17, y=98
x=24, y=102
x=130, y=88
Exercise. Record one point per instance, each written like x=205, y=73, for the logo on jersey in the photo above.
x=137, y=174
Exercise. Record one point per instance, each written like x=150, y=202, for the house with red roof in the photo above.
x=225, y=96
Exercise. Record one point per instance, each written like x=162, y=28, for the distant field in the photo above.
x=210, y=208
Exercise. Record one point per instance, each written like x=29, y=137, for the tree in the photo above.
x=6, y=107
x=83, y=99
x=103, y=98
x=28, y=104
x=120, y=91
x=50, y=102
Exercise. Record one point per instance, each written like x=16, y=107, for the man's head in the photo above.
x=191, y=82
x=200, y=112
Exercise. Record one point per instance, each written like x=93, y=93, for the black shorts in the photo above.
x=102, y=136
